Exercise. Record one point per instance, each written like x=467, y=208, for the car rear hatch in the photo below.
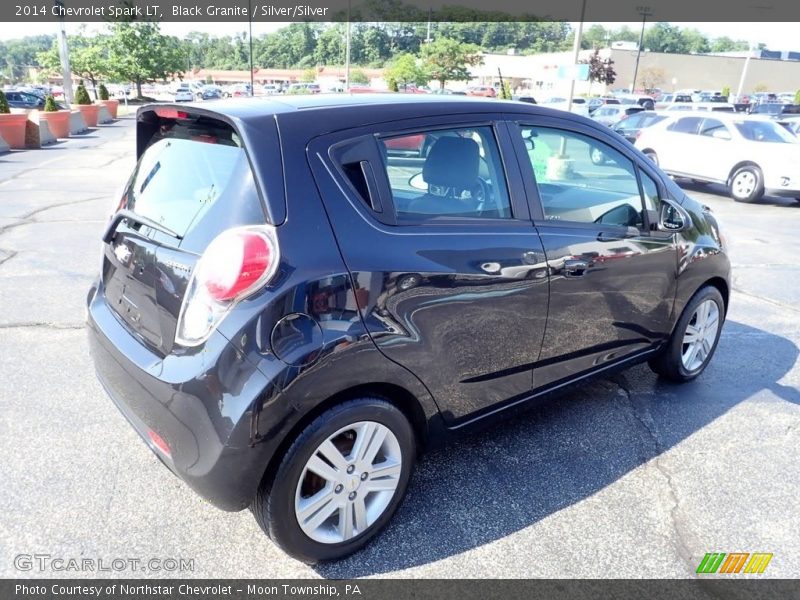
x=193, y=180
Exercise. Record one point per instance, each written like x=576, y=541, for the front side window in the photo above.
x=715, y=128
x=582, y=179
x=764, y=131
x=446, y=173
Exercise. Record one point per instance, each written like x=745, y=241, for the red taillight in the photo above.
x=233, y=263
x=237, y=264
x=159, y=442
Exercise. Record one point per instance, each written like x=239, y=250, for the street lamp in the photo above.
x=63, y=51
x=645, y=11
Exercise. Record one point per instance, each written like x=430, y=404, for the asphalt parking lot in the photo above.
x=624, y=477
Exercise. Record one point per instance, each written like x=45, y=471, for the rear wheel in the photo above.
x=746, y=184
x=340, y=481
x=695, y=338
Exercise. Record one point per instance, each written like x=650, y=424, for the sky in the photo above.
x=777, y=36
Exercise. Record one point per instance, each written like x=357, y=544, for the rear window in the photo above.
x=189, y=167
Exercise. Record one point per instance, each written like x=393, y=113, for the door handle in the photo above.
x=575, y=267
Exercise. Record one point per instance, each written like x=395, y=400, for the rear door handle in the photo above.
x=575, y=267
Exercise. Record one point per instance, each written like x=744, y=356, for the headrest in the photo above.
x=452, y=162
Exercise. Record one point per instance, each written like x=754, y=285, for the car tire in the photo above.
x=694, y=339
x=652, y=156
x=746, y=184
x=284, y=502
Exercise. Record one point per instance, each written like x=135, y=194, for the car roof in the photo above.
x=368, y=107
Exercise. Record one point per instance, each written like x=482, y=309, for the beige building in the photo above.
x=540, y=72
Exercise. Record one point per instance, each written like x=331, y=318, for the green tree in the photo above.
x=404, y=70
x=138, y=52
x=447, y=60
x=726, y=44
x=797, y=97
x=88, y=57
x=309, y=75
x=17, y=56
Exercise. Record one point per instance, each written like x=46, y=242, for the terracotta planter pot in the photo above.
x=57, y=121
x=111, y=105
x=12, y=130
x=89, y=112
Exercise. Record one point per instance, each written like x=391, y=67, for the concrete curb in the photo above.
x=104, y=116
x=38, y=134
x=76, y=123
x=4, y=147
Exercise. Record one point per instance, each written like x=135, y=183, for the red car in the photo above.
x=482, y=90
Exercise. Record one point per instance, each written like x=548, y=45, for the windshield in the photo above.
x=765, y=131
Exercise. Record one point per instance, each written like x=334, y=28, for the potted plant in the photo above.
x=111, y=105
x=57, y=120
x=12, y=126
x=84, y=104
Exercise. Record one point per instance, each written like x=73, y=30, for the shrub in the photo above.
x=81, y=95
x=797, y=97
x=4, y=108
x=103, y=92
x=50, y=104
x=726, y=91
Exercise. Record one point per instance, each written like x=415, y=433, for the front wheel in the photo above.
x=747, y=184
x=340, y=482
x=695, y=338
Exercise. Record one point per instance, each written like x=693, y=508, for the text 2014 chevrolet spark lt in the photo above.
x=298, y=296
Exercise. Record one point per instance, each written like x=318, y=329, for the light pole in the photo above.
x=576, y=50
x=347, y=53
x=645, y=11
x=63, y=51
x=750, y=50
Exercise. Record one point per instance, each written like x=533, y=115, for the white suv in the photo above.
x=750, y=156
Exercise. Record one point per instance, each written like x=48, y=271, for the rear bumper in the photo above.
x=199, y=404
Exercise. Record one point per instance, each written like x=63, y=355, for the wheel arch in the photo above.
x=739, y=165
x=397, y=395
x=722, y=286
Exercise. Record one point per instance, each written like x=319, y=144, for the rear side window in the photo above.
x=446, y=173
x=686, y=125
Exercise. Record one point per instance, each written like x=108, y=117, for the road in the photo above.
x=624, y=477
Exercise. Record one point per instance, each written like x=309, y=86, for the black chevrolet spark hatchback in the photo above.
x=297, y=296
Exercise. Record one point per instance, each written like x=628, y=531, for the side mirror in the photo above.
x=673, y=218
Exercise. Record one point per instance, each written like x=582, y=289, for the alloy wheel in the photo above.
x=700, y=335
x=348, y=482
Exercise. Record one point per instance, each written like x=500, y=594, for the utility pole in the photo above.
x=63, y=51
x=252, y=68
x=347, y=53
x=644, y=11
x=750, y=50
x=576, y=50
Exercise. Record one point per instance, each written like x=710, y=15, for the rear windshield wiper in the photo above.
x=128, y=215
